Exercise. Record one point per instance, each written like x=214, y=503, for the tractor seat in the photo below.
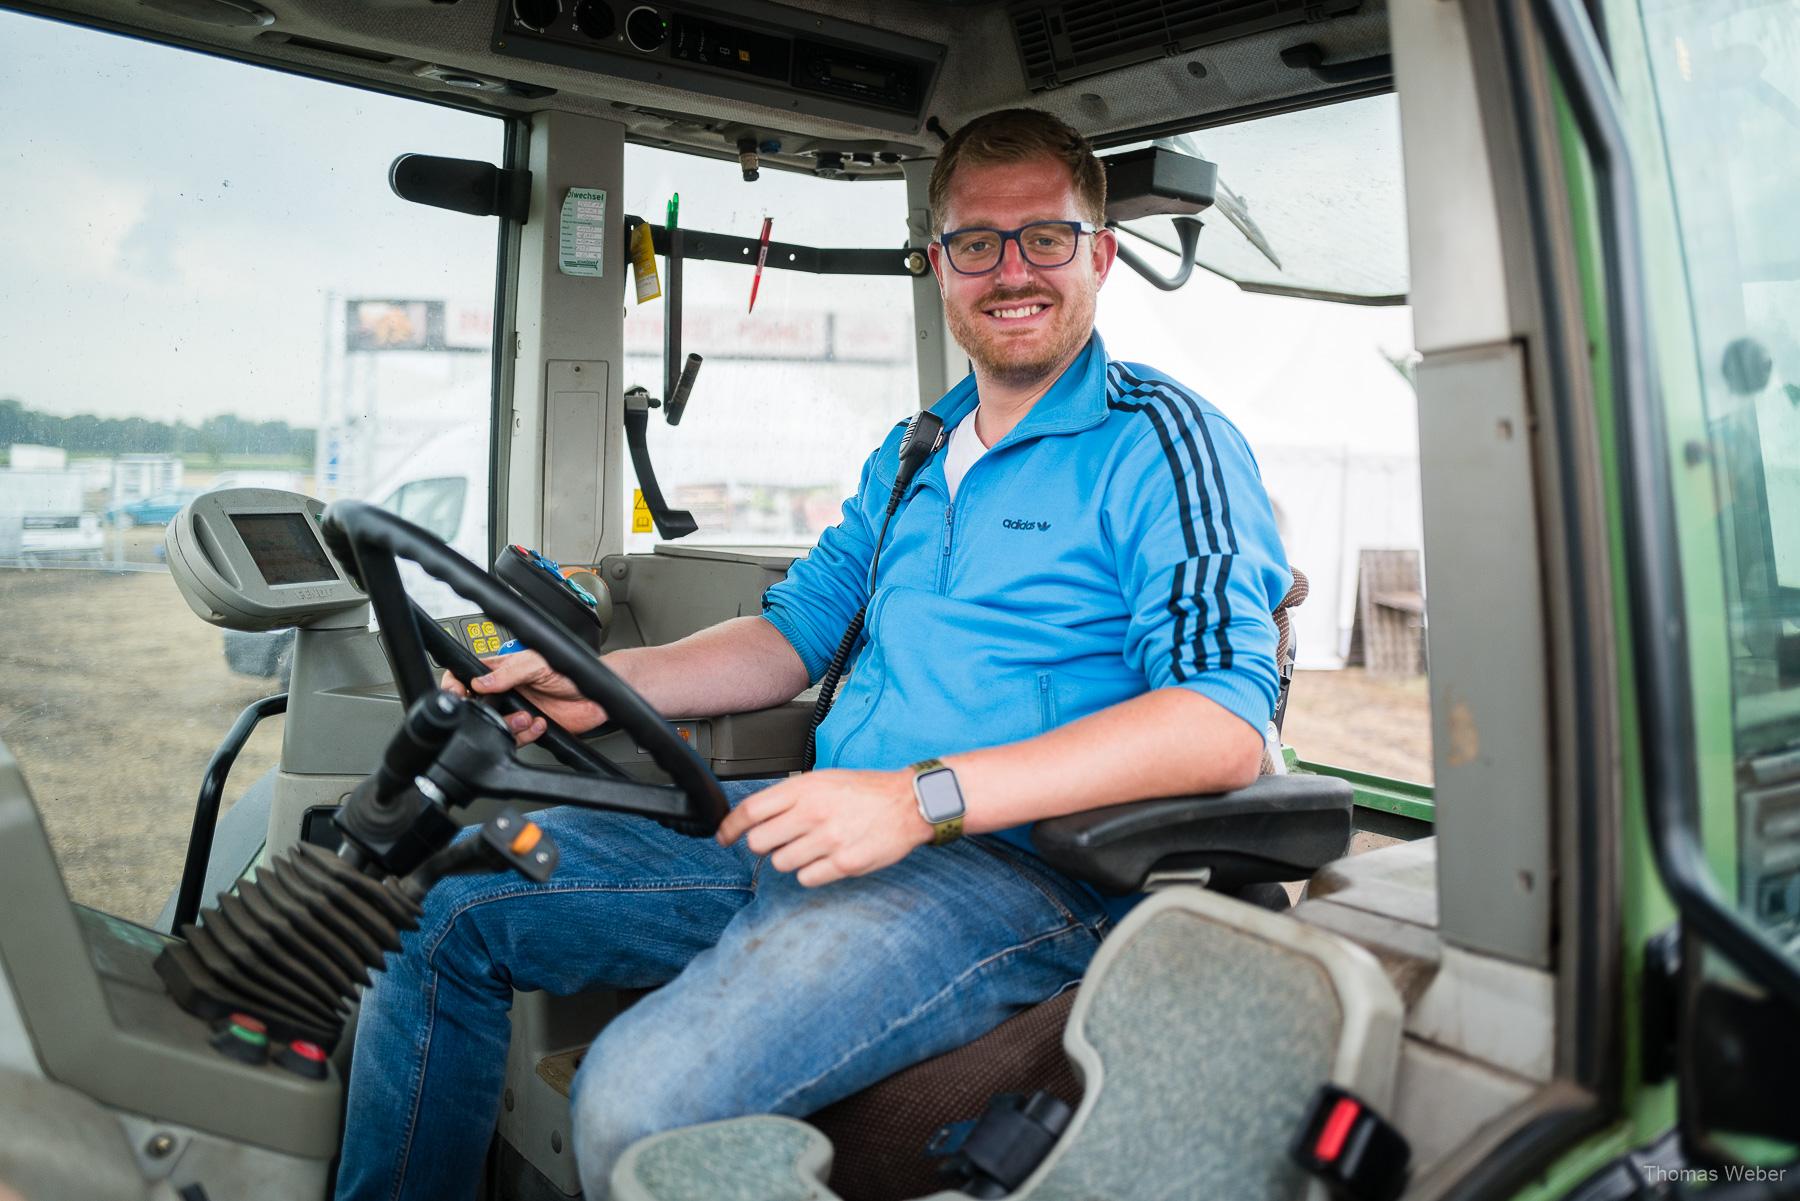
x=1281, y=828
x=1184, y=1084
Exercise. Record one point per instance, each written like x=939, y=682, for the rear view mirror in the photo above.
x=1157, y=181
x=461, y=185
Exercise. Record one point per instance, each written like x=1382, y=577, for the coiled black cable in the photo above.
x=828, y=683
x=924, y=434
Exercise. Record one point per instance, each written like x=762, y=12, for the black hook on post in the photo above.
x=1188, y=230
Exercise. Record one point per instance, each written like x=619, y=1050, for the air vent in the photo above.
x=1032, y=32
x=1060, y=42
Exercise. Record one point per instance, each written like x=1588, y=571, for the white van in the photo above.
x=442, y=488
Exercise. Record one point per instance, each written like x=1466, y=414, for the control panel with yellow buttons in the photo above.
x=477, y=632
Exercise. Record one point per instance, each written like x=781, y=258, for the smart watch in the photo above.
x=940, y=799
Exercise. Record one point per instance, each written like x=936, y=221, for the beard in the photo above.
x=1020, y=362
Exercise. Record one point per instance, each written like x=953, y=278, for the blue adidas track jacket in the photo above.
x=1117, y=540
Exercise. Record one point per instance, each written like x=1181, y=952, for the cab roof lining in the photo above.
x=1241, y=76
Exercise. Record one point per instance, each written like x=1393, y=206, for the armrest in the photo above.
x=1279, y=828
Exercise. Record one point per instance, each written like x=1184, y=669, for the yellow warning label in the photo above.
x=643, y=265
x=641, y=522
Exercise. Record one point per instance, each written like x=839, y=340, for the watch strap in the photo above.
x=946, y=831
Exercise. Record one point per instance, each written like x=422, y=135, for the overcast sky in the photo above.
x=172, y=227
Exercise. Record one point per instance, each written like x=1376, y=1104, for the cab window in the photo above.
x=1290, y=325
x=796, y=392
x=1728, y=94
x=207, y=283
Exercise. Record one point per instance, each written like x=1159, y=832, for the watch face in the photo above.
x=939, y=797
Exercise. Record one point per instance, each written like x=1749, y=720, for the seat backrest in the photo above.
x=1284, y=666
x=1203, y=1029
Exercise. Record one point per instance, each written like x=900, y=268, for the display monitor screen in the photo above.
x=284, y=548
x=850, y=73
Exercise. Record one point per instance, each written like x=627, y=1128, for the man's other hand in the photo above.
x=827, y=825
x=535, y=680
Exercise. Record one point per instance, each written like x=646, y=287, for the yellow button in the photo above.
x=487, y=627
x=474, y=628
x=484, y=645
x=527, y=838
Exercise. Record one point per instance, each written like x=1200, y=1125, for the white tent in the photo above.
x=1336, y=435
x=1333, y=423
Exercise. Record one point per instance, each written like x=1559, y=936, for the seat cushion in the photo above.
x=762, y=1158
x=880, y=1133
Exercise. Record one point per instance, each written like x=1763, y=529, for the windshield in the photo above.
x=1308, y=202
x=206, y=284
x=796, y=392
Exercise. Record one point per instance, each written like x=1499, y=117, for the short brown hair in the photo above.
x=1013, y=135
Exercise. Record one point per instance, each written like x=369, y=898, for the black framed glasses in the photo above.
x=977, y=251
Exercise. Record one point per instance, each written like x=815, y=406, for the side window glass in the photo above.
x=1728, y=94
x=207, y=284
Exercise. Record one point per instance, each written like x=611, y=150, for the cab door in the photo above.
x=1708, y=101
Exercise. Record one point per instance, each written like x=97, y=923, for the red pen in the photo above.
x=762, y=256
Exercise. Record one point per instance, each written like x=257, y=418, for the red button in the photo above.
x=306, y=1050
x=244, y=1021
x=1337, y=1129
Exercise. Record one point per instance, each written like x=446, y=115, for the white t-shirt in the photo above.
x=965, y=447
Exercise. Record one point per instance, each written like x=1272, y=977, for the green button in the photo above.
x=250, y=1036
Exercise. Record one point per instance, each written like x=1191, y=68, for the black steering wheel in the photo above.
x=367, y=540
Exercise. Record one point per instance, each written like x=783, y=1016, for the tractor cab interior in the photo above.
x=1343, y=983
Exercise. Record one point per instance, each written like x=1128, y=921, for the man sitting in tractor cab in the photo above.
x=1069, y=608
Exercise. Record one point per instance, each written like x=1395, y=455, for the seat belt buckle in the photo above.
x=1355, y=1151
x=991, y=1156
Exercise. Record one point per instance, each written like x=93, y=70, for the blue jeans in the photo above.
x=775, y=998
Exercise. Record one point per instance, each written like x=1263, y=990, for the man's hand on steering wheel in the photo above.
x=552, y=692
x=374, y=540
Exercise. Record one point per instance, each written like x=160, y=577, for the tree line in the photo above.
x=86, y=434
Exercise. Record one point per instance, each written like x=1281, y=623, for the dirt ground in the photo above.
x=1352, y=719
x=113, y=696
